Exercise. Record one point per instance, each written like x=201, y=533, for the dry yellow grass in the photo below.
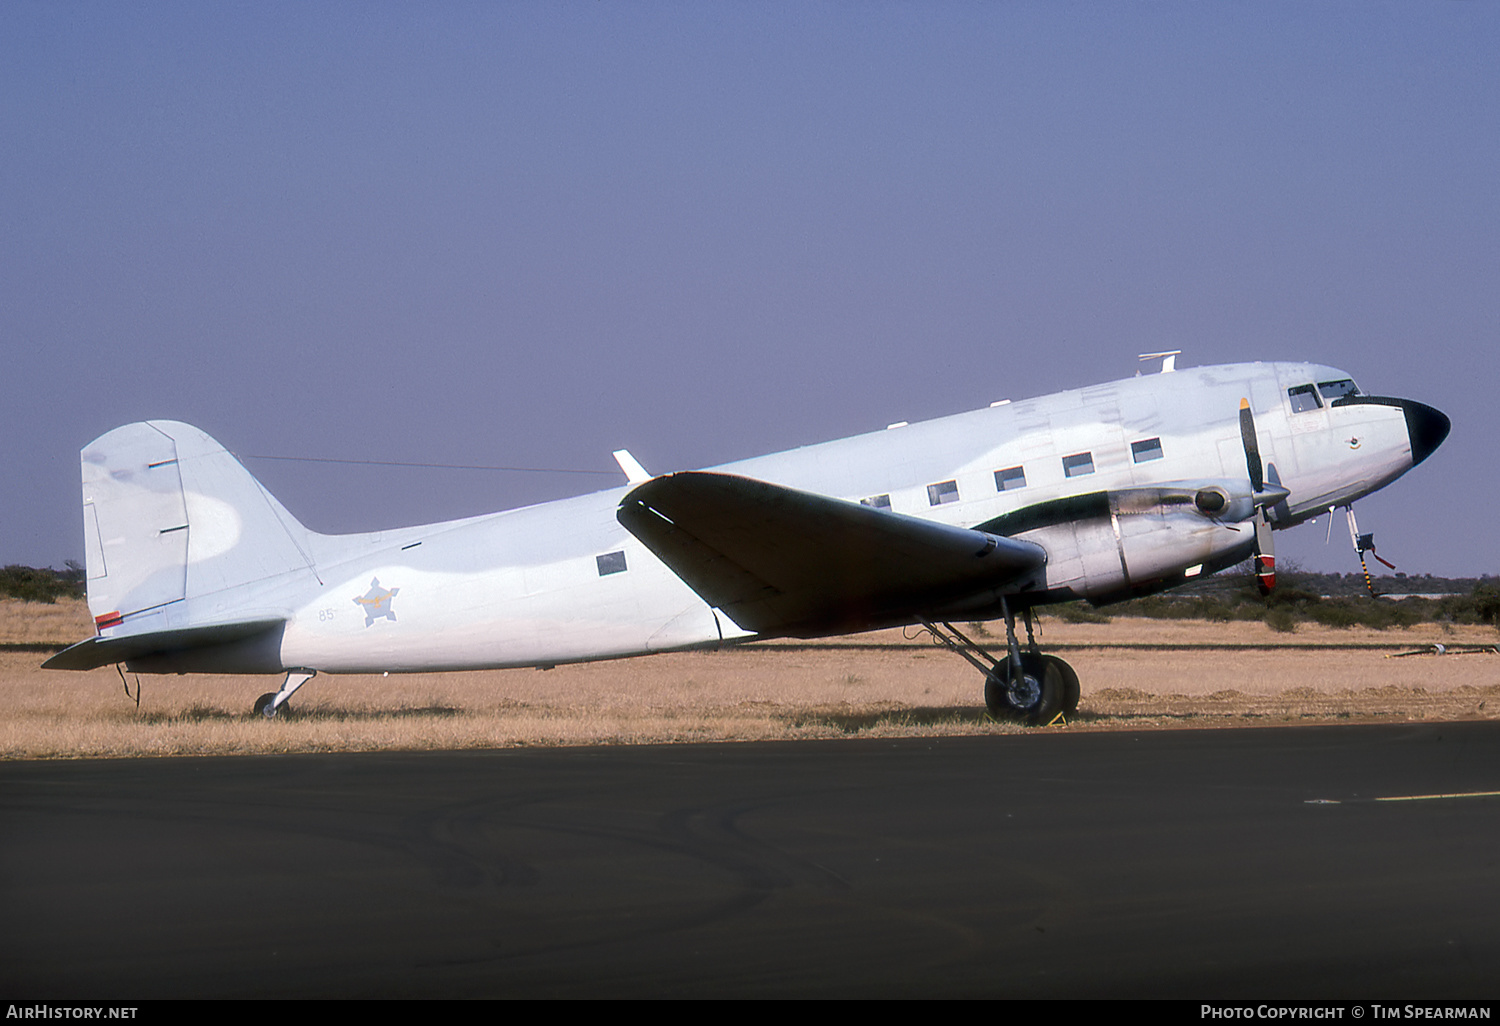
x=37, y=623
x=869, y=685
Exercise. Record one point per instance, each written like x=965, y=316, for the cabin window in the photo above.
x=1009, y=479
x=611, y=563
x=1146, y=450
x=877, y=501
x=1304, y=398
x=1078, y=464
x=942, y=492
x=1337, y=389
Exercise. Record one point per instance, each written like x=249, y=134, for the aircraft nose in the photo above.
x=1426, y=427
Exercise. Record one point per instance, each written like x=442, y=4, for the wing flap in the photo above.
x=782, y=561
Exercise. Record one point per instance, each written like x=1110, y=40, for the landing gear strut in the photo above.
x=272, y=702
x=1027, y=686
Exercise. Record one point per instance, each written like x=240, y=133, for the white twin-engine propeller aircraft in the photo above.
x=1102, y=493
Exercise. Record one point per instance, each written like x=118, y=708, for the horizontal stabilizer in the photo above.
x=782, y=561
x=95, y=652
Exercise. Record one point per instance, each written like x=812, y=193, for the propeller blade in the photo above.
x=1265, y=553
x=1273, y=497
x=1252, y=447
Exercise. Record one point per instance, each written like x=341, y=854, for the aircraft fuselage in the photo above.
x=1108, y=480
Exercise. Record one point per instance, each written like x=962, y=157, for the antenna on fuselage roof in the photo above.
x=1168, y=359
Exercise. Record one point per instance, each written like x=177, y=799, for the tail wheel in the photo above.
x=1034, y=695
x=265, y=706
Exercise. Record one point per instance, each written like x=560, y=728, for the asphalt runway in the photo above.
x=1251, y=863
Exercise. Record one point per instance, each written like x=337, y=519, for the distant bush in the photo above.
x=1289, y=593
x=1281, y=620
x=1166, y=607
x=1295, y=600
x=1212, y=609
x=1481, y=605
x=1078, y=612
x=1335, y=613
x=1486, y=598
x=1363, y=612
x=44, y=585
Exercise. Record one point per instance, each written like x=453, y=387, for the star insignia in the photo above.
x=377, y=602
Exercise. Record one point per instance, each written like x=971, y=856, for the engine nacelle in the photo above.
x=1107, y=546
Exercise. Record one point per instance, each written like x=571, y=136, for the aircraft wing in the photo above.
x=782, y=561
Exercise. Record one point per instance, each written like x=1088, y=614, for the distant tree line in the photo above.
x=42, y=585
x=1332, y=600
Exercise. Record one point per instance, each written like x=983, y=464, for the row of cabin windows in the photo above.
x=1012, y=478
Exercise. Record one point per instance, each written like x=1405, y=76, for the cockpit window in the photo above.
x=1304, y=398
x=1337, y=389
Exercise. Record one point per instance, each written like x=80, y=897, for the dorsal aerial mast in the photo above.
x=1168, y=359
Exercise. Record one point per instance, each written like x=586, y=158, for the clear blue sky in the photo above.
x=530, y=233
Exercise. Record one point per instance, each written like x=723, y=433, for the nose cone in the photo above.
x=1426, y=427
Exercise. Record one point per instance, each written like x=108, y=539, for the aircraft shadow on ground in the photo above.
x=205, y=714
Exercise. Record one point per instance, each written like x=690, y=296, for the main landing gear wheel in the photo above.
x=1043, y=687
x=1034, y=696
x=1071, y=690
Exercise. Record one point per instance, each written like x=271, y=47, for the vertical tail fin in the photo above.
x=173, y=523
